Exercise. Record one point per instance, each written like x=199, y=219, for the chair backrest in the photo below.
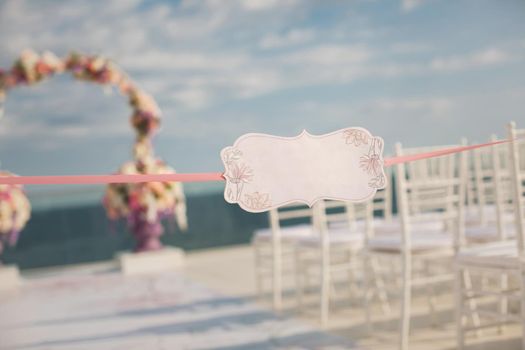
x=334, y=216
x=427, y=177
x=382, y=202
x=497, y=186
x=517, y=165
x=294, y=213
x=345, y=214
x=481, y=180
x=337, y=213
x=431, y=186
x=432, y=168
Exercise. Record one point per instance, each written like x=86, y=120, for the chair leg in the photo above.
x=458, y=292
x=503, y=301
x=352, y=284
x=380, y=287
x=277, y=278
x=325, y=286
x=431, y=297
x=522, y=283
x=406, y=297
x=484, y=282
x=299, y=280
x=472, y=304
x=258, y=274
x=367, y=292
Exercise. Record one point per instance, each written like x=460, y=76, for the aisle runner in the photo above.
x=90, y=309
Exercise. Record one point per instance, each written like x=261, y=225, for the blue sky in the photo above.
x=420, y=72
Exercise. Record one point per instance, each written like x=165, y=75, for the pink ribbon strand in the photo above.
x=200, y=177
x=438, y=153
x=107, y=179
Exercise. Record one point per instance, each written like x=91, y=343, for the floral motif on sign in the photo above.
x=257, y=200
x=377, y=182
x=356, y=137
x=237, y=172
x=372, y=164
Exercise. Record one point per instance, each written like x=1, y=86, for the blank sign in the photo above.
x=266, y=171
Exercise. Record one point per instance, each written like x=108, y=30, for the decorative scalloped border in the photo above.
x=238, y=171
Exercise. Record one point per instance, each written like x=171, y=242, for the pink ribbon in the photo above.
x=108, y=179
x=199, y=177
x=438, y=153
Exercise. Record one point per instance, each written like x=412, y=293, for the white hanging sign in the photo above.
x=265, y=171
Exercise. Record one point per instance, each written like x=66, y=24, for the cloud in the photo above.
x=264, y=5
x=217, y=63
x=329, y=55
x=487, y=57
x=419, y=105
x=436, y=107
x=180, y=51
x=290, y=38
x=63, y=110
x=256, y=82
x=157, y=60
x=192, y=98
x=409, y=5
x=409, y=47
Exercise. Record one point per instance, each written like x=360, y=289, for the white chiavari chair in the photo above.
x=472, y=186
x=274, y=247
x=517, y=149
x=480, y=186
x=382, y=206
x=481, y=215
x=498, y=258
x=334, y=252
x=379, y=221
x=429, y=190
x=389, y=223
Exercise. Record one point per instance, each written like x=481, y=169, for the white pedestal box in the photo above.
x=9, y=277
x=166, y=259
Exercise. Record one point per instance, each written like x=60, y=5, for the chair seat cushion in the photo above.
x=421, y=241
x=488, y=232
x=288, y=233
x=336, y=236
x=473, y=215
x=382, y=226
x=502, y=254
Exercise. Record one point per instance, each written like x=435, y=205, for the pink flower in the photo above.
x=134, y=201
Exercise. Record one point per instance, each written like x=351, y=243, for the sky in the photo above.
x=420, y=72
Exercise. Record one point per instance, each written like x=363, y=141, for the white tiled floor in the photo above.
x=94, y=307
x=230, y=270
x=209, y=304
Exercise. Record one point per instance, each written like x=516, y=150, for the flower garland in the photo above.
x=15, y=211
x=149, y=201
x=31, y=68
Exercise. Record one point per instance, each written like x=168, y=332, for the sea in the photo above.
x=71, y=227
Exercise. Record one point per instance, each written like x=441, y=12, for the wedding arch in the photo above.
x=143, y=205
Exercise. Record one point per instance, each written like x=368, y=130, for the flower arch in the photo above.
x=143, y=205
